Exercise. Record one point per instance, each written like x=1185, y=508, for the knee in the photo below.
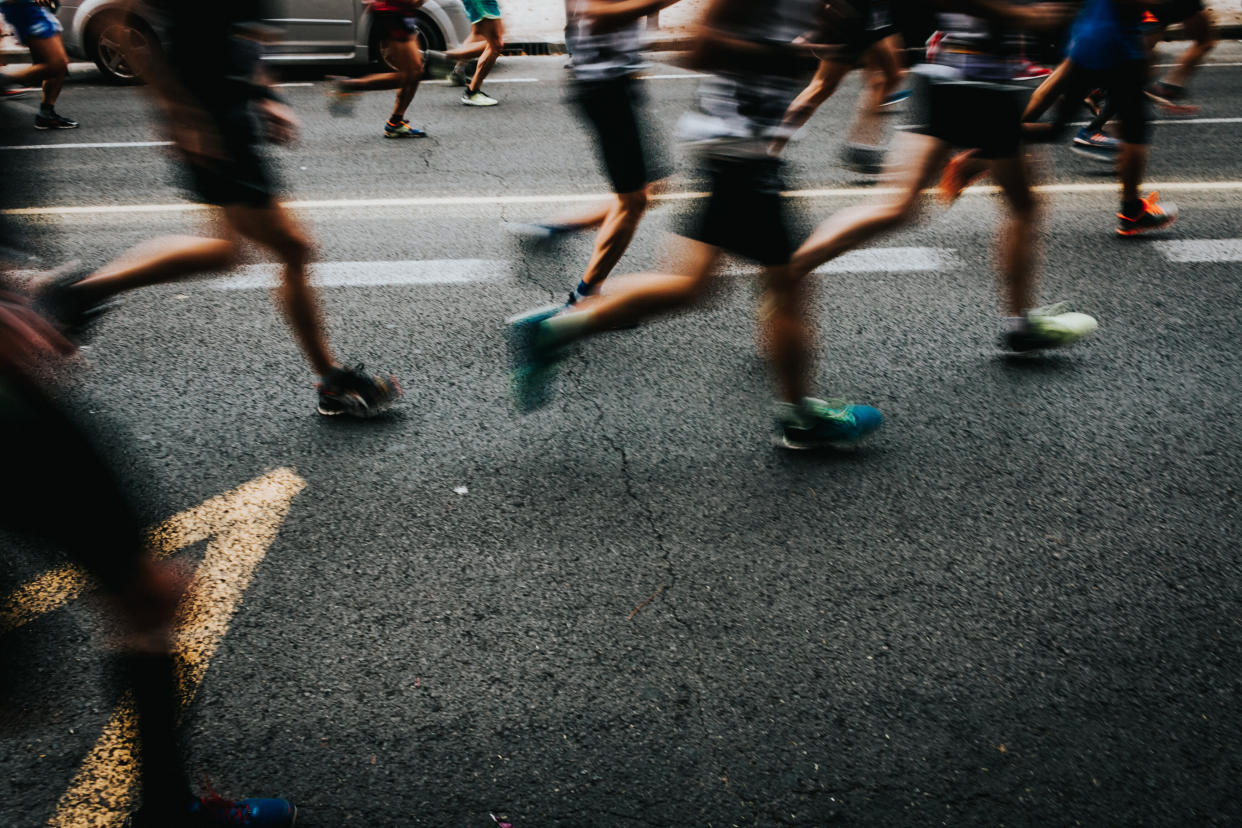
x=634, y=204
x=56, y=66
x=294, y=249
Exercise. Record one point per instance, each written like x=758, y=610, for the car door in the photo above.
x=314, y=27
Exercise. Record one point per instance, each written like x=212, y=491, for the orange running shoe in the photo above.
x=1154, y=217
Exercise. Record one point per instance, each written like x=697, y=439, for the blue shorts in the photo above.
x=32, y=22
x=478, y=10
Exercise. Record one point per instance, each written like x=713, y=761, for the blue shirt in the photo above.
x=1104, y=36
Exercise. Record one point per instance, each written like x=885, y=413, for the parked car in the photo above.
x=315, y=31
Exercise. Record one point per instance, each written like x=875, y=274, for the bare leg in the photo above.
x=493, y=33
x=882, y=78
x=471, y=47
x=405, y=80
x=49, y=64
x=274, y=228
x=827, y=78
x=1017, y=247
x=639, y=296
x=615, y=235
x=789, y=331
x=165, y=259
x=1200, y=28
x=1130, y=168
x=920, y=159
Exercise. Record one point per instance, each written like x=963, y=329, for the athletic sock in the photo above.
x=47, y=109
x=583, y=290
x=1132, y=209
x=1013, y=324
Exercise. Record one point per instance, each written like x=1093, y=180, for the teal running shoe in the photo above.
x=1053, y=326
x=813, y=424
x=533, y=355
x=402, y=129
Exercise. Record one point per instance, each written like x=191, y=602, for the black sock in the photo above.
x=1132, y=209
x=46, y=109
x=153, y=680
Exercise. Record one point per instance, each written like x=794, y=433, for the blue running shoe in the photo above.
x=532, y=357
x=813, y=424
x=214, y=811
x=895, y=98
x=402, y=129
x=1096, y=145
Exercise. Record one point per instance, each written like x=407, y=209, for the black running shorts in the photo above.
x=969, y=114
x=1176, y=11
x=628, y=144
x=1126, y=98
x=854, y=39
x=240, y=175
x=744, y=214
x=394, y=26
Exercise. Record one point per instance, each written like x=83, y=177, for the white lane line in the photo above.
x=1202, y=250
x=590, y=198
x=490, y=81
x=294, y=85
x=1201, y=65
x=892, y=260
x=113, y=145
x=374, y=274
x=680, y=76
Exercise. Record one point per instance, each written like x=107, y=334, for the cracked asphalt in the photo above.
x=1017, y=605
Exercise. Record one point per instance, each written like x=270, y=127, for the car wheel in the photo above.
x=111, y=39
x=429, y=37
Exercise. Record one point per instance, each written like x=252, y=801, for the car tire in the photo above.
x=429, y=37
x=104, y=37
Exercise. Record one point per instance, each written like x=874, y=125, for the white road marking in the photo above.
x=892, y=260
x=590, y=198
x=293, y=85
x=374, y=274
x=112, y=145
x=490, y=81
x=679, y=76
x=1202, y=250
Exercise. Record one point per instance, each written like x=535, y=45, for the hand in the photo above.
x=280, y=125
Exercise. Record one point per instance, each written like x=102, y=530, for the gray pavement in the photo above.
x=1017, y=604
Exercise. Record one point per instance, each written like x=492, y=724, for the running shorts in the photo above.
x=241, y=176
x=629, y=145
x=744, y=213
x=1176, y=11
x=854, y=39
x=1126, y=98
x=395, y=26
x=31, y=22
x=478, y=10
x=975, y=115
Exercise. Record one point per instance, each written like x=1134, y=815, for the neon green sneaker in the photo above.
x=1049, y=327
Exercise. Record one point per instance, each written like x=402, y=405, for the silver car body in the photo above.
x=315, y=31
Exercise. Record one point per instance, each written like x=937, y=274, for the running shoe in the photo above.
x=1032, y=71
x=340, y=102
x=813, y=424
x=1167, y=91
x=1154, y=217
x=354, y=392
x=402, y=129
x=68, y=309
x=50, y=119
x=537, y=232
x=12, y=93
x=863, y=159
x=1096, y=145
x=932, y=46
x=437, y=65
x=532, y=357
x=897, y=97
x=213, y=810
x=1053, y=326
x=458, y=77
x=959, y=173
x=479, y=98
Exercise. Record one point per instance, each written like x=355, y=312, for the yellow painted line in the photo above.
x=239, y=526
x=578, y=198
x=50, y=591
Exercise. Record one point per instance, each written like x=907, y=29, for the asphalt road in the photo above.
x=1018, y=604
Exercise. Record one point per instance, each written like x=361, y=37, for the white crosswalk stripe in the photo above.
x=1202, y=250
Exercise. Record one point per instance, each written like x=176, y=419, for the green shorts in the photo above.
x=482, y=9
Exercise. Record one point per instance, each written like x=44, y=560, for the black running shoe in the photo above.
x=51, y=120
x=354, y=392
x=67, y=307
